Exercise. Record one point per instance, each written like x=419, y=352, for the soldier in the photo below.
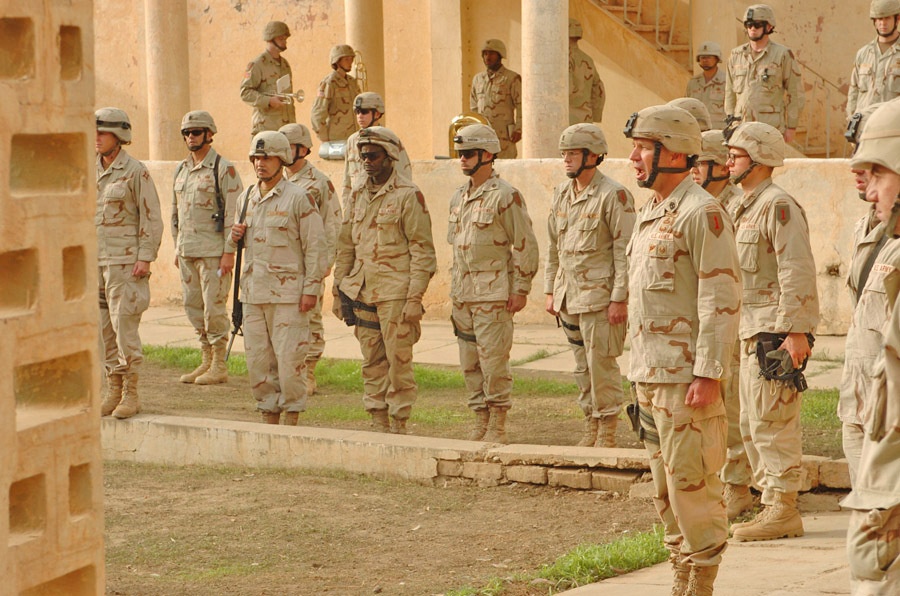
x=205, y=192
x=385, y=259
x=495, y=257
x=586, y=276
x=876, y=71
x=711, y=172
x=873, y=535
x=259, y=87
x=369, y=108
x=305, y=175
x=763, y=79
x=332, y=113
x=696, y=108
x=129, y=231
x=709, y=85
x=497, y=95
x=281, y=279
x=781, y=309
x=587, y=96
x=685, y=296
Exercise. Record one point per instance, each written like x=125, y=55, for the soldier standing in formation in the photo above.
x=685, y=295
x=587, y=96
x=206, y=189
x=763, y=79
x=305, y=175
x=876, y=71
x=497, y=95
x=258, y=88
x=129, y=231
x=385, y=259
x=586, y=276
x=332, y=114
x=709, y=85
x=495, y=257
x=281, y=278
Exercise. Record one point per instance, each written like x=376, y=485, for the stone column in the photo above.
x=168, y=78
x=446, y=71
x=364, y=26
x=545, y=76
x=711, y=20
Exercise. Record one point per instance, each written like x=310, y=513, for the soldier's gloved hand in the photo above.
x=413, y=311
x=336, y=306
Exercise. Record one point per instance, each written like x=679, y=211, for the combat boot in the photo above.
x=757, y=519
x=205, y=360
x=113, y=394
x=398, y=426
x=702, y=580
x=311, y=385
x=291, y=418
x=737, y=500
x=218, y=370
x=783, y=521
x=130, y=405
x=381, y=421
x=271, y=417
x=682, y=572
x=589, y=434
x=482, y=417
x=496, y=432
x=607, y=434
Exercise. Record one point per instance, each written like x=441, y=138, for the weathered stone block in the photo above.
x=527, y=474
x=449, y=468
x=834, y=474
x=580, y=479
x=482, y=471
x=614, y=480
x=809, y=477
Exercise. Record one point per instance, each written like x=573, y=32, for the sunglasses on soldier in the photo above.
x=193, y=132
x=467, y=153
x=755, y=24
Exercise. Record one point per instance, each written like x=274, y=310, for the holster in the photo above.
x=775, y=364
x=641, y=420
x=347, y=313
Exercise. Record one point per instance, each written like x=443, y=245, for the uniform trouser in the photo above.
x=276, y=337
x=205, y=297
x=852, y=438
x=123, y=298
x=770, y=424
x=685, y=466
x=873, y=548
x=737, y=466
x=316, y=331
x=387, y=348
x=596, y=344
x=484, y=332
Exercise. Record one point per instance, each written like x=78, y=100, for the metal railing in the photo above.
x=663, y=33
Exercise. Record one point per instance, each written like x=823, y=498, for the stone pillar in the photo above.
x=168, y=78
x=545, y=76
x=364, y=25
x=712, y=20
x=446, y=71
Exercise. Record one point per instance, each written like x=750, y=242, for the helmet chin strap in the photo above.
x=655, y=170
x=709, y=175
x=478, y=165
x=584, y=166
x=745, y=173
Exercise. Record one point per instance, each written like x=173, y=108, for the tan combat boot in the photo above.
x=205, y=360
x=311, y=385
x=218, y=370
x=482, y=417
x=682, y=572
x=271, y=417
x=607, y=434
x=737, y=500
x=291, y=418
x=782, y=521
x=496, y=432
x=398, y=426
x=702, y=580
x=113, y=394
x=129, y=406
x=381, y=421
x=589, y=434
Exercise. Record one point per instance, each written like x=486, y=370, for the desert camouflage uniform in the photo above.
x=355, y=175
x=587, y=96
x=283, y=260
x=875, y=77
x=780, y=296
x=129, y=229
x=332, y=117
x=873, y=536
x=385, y=258
x=712, y=94
x=320, y=188
x=764, y=87
x=684, y=291
x=260, y=79
x=198, y=247
x=586, y=270
x=497, y=95
x=495, y=255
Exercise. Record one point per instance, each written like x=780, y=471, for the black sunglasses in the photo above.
x=194, y=132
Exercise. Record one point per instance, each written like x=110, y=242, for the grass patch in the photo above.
x=539, y=355
x=187, y=359
x=819, y=408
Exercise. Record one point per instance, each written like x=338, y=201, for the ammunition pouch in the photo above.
x=776, y=364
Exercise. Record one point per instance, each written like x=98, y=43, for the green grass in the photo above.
x=539, y=355
x=188, y=359
x=819, y=409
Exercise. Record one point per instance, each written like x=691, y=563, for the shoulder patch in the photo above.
x=421, y=199
x=517, y=198
x=782, y=212
x=715, y=221
x=622, y=197
x=330, y=186
x=231, y=172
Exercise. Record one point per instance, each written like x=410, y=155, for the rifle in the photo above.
x=237, y=308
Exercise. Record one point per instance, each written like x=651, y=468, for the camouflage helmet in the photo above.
x=494, y=45
x=675, y=128
x=369, y=100
x=759, y=12
x=115, y=121
x=198, y=119
x=583, y=136
x=271, y=143
x=340, y=51
x=697, y=109
x=712, y=147
x=477, y=136
x=575, y=29
x=880, y=9
x=275, y=29
x=879, y=142
x=297, y=134
x=710, y=48
x=858, y=122
x=762, y=142
x=383, y=137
